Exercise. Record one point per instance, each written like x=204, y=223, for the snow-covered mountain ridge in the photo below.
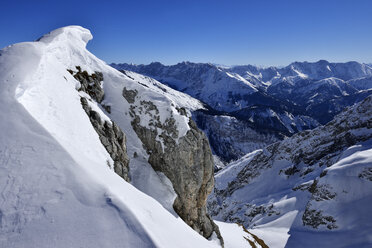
x=73, y=128
x=214, y=84
x=275, y=102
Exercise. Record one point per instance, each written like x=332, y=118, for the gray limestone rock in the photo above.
x=91, y=84
x=129, y=95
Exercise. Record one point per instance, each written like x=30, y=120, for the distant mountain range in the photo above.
x=272, y=103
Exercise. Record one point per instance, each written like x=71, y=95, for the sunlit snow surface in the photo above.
x=284, y=227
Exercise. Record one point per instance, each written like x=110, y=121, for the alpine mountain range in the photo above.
x=248, y=107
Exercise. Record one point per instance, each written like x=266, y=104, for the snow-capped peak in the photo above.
x=56, y=173
x=76, y=35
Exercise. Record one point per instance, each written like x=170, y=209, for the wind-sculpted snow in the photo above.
x=76, y=35
x=315, y=185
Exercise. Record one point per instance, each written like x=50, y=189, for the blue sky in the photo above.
x=226, y=32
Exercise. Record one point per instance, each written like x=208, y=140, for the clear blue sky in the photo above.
x=260, y=32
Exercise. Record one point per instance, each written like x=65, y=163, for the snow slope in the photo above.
x=313, y=189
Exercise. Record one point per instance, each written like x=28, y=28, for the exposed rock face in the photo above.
x=129, y=94
x=187, y=162
x=110, y=134
x=91, y=84
x=112, y=138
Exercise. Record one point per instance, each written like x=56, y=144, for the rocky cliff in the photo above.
x=186, y=160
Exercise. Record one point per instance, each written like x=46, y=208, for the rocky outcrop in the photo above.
x=112, y=138
x=187, y=161
x=110, y=134
x=129, y=95
x=315, y=218
x=91, y=84
x=366, y=174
